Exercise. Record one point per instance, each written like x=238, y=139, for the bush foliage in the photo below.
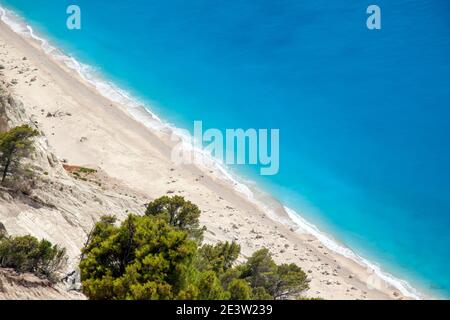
x=28, y=254
x=15, y=144
x=144, y=258
x=159, y=256
x=179, y=213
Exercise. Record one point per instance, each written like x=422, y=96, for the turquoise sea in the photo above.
x=364, y=115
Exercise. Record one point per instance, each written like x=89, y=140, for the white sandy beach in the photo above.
x=95, y=132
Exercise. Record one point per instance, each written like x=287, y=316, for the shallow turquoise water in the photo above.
x=364, y=115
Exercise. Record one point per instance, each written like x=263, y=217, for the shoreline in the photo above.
x=225, y=184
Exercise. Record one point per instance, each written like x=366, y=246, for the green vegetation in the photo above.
x=144, y=258
x=79, y=171
x=15, y=145
x=82, y=173
x=159, y=256
x=27, y=254
x=218, y=258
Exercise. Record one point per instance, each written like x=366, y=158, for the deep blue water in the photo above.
x=364, y=115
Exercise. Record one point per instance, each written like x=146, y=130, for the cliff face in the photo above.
x=60, y=203
x=14, y=286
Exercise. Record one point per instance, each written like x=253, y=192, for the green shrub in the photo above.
x=210, y=288
x=279, y=281
x=144, y=258
x=147, y=258
x=239, y=289
x=158, y=256
x=219, y=257
x=86, y=170
x=3, y=232
x=15, y=145
x=27, y=254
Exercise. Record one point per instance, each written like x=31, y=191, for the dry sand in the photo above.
x=84, y=128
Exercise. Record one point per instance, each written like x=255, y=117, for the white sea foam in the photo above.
x=141, y=112
x=333, y=245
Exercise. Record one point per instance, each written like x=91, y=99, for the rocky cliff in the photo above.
x=59, y=202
